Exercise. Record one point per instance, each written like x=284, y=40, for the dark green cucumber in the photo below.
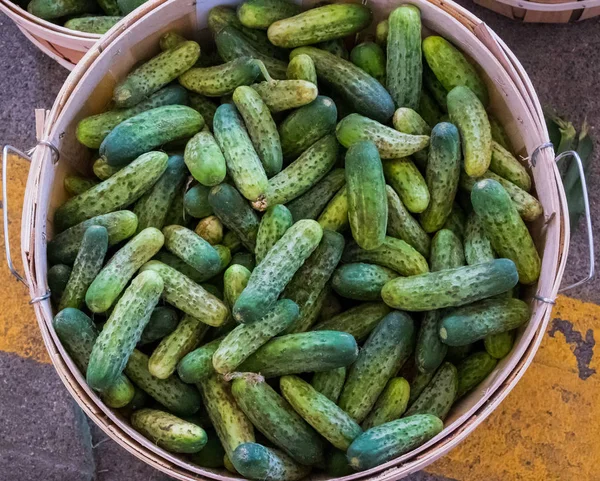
x=443, y=173
x=429, y=109
x=50, y=10
x=383, y=354
x=204, y=106
x=456, y=221
x=499, y=345
x=364, y=93
x=128, y=6
x=302, y=68
x=508, y=167
x=370, y=57
x=402, y=225
x=276, y=221
x=335, y=215
x=195, y=202
x=336, y=46
x=280, y=95
x=197, y=365
x=155, y=74
x=302, y=352
x=330, y=383
x=211, y=455
x=245, y=259
x=446, y=251
x=75, y=184
x=255, y=461
x=120, y=190
x=163, y=322
x=262, y=13
x=58, y=277
x=473, y=370
x=358, y=321
x=336, y=464
x=478, y=320
x=478, y=248
x=204, y=159
x=211, y=230
x=99, y=25
x=402, y=174
x=390, y=405
x=193, y=249
x=361, y=281
x=310, y=204
x=439, y=395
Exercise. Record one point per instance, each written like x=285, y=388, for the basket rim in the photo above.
x=550, y=7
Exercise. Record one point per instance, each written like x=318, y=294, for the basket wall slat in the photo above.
x=544, y=11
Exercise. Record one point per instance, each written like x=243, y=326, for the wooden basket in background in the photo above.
x=544, y=11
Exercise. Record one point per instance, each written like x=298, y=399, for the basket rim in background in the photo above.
x=546, y=11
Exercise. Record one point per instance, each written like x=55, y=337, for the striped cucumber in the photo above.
x=255, y=461
x=402, y=174
x=163, y=321
x=390, y=404
x=335, y=215
x=58, y=277
x=262, y=13
x=370, y=57
x=473, y=370
x=361, y=281
x=280, y=95
x=499, y=345
x=478, y=248
x=330, y=383
x=508, y=167
x=197, y=365
x=192, y=249
x=204, y=159
x=211, y=230
x=358, y=321
x=310, y=204
x=302, y=68
x=276, y=221
x=404, y=226
x=439, y=395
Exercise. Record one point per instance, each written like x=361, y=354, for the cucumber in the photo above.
x=404, y=226
x=330, y=383
x=197, y=365
x=254, y=461
x=244, y=259
x=437, y=398
x=336, y=47
x=319, y=25
x=231, y=424
x=123, y=330
x=478, y=248
x=211, y=455
x=235, y=213
x=232, y=241
x=310, y=204
x=112, y=279
x=402, y=174
x=336, y=464
x=153, y=206
x=508, y=167
x=478, y=320
x=128, y=6
x=390, y=404
x=442, y=174
x=50, y=10
x=446, y=251
x=410, y=122
x=394, y=254
x=473, y=370
x=404, y=61
x=169, y=432
x=499, y=345
x=499, y=135
x=221, y=79
x=163, y=322
x=358, y=321
x=155, y=74
x=280, y=95
x=302, y=352
x=321, y=413
x=381, y=32
x=435, y=87
x=302, y=68
x=370, y=57
x=391, y=143
x=170, y=40
x=176, y=263
x=195, y=202
x=204, y=159
x=276, y=221
x=468, y=114
x=361, y=91
x=335, y=215
x=429, y=109
x=262, y=13
x=211, y=230
x=204, y=106
x=102, y=170
x=261, y=128
x=58, y=277
x=452, y=68
x=184, y=294
x=383, y=354
x=99, y=25
x=275, y=418
x=367, y=199
x=456, y=221
x=419, y=382
x=450, y=287
x=192, y=249
x=361, y=281
x=235, y=280
x=271, y=276
x=243, y=163
x=75, y=184
x=505, y=229
x=120, y=190
x=246, y=339
x=78, y=334
x=309, y=282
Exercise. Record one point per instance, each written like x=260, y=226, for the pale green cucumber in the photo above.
x=330, y=383
x=499, y=345
x=335, y=215
x=276, y=221
x=508, y=167
x=280, y=95
x=204, y=159
x=75, y=184
x=261, y=14
x=192, y=249
x=302, y=68
x=402, y=174
x=370, y=57
x=409, y=121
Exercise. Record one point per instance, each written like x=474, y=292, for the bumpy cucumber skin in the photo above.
x=394, y=254
x=468, y=114
x=408, y=182
x=193, y=249
x=195, y=202
x=155, y=74
x=310, y=204
x=370, y=57
x=473, y=370
x=335, y=215
x=163, y=322
x=204, y=159
x=404, y=60
x=499, y=134
x=197, y=365
x=434, y=87
x=87, y=265
x=477, y=246
x=390, y=405
x=169, y=432
x=120, y=190
x=429, y=109
x=221, y=79
x=176, y=263
x=439, y=395
x=204, y=106
x=243, y=163
x=235, y=280
x=451, y=287
x=358, y=321
x=211, y=230
x=262, y=13
x=478, y=320
x=280, y=95
x=58, y=277
x=232, y=241
x=115, y=275
x=367, y=200
x=102, y=170
x=260, y=463
x=383, y=354
x=451, y=67
x=302, y=68
x=276, y=419
x=364, y=93
x=302, y=352
x=456, y=221
x=123, y=330
x=276, y=221
x=49, y=10
x=99, y=25
x=270, y=277
x=409, y=121
x=361, y=281
x=235, y=213
x=390, y=440
x=75, y=184
x=442, y=174
x=181, y=292
x=446, y=251
x=505, y=229
x=499, y=345
x=330, y=383
x=508, y=167
x=320, y=412
x=170, y=40
x=261, y=128
x=319, y=25
x=153, y=206
x=418, y=383
x=404, y=226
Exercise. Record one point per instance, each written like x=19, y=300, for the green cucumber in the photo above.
x=499, y=135
x=193, y=249
x=402, y=174
x=211, y=230
x=58, y=277
x=391, y=143
x=383, y=354
x=381, y=32
x=102, y=170
x=478, y=320
x=211, y=455
x=404, y=60
x=204, y=159
x=409, y=121
x=310, y=204
x=98, y=25
x=370, y=57
x=336, y=464
x=302, y=68
x=439, y=395
x=262, y=13
x=128, y=6
x=361, y=281
x=442, y=174
x=319, y=25
x=335, y=215
x=245, y=259
x=197, y=366
x=390, y=404
x=254, y=461
x=508, y=167
x=429, y=109
x=163, y=322
x=176, y=263
x=170, y=40
x=473, y=370
x=302, y=352
x=120, y=190
x=276, y=221
x=235, y=280
x=336, y=46
x=505, y=229
x=232, y=241
x=280, y=95
x=358, y=321
x=330, y=383
x=155, y=74
x=404, y=226
x=204, y=106
x=456, y=221
x=478, y=248
x=499, y=345
x=419, y=382
x=75, y=184
x=446, y=251
x=195, y=202
x=50, y=10
x=435, y=87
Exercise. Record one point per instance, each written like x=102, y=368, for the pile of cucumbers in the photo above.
x=298, y=257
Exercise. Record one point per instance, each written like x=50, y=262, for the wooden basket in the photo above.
x=544, y=11
x=88, y=90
